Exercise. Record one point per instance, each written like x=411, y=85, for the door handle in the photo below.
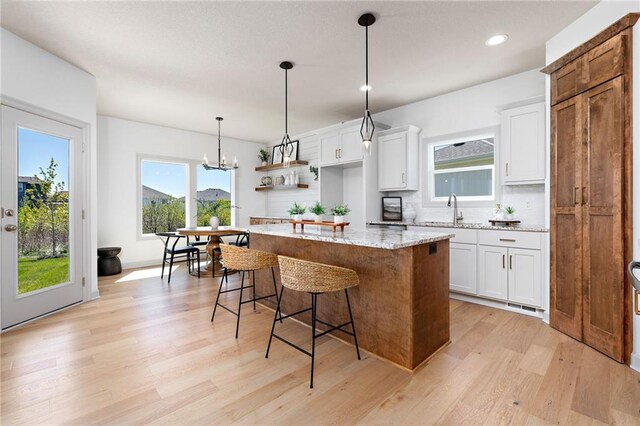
x=403, y=178
x=508, y=240
x=506, y=166
x=10, y=228
x=503, y=260
x=510, y=261
x=585, y=196
x=339, y=152
x=335, y=154
x=577, y=196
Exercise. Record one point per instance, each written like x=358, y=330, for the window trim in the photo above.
x=428, y=175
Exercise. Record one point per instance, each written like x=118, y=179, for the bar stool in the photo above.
x=314, y=278
x=245, y=260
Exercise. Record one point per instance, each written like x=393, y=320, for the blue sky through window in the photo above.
x=170, y=178
x=35, y=150
x=213, y=179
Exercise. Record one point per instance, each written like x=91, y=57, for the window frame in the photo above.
x=188, y=177
x=191, y=192
x=429, y=198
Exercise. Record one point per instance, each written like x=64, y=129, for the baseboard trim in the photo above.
x=94, y=295
x=635, y=361
x=141, y=264
x=495, y=304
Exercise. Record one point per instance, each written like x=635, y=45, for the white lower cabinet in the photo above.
x=510, y=274
x=492, y=272
x=499, y=265
x=462, y=267
x=525, y=280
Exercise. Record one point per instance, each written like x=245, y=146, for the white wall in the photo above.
x=595, y=20
x=39, y=82
x=119, y=144
x=465, y=110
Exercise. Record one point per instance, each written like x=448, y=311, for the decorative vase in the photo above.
x=296, y=217
x=510, y=216
x=287, y=180
x=214, y=222
x=318, y=218
x=409, y=213
x=338, y=219
x=264, y=163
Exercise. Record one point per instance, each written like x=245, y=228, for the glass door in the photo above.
x=41, y=202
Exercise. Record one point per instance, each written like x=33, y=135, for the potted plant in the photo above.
x=339, y=211
x=296, y=211
x=510, y=211
x=264, y=155
x=317, y=210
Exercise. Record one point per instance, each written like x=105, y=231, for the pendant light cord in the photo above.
x=286, y=103
x=366, y=66
x=219, y=143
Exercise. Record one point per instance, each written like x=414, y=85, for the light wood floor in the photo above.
x=145, y=352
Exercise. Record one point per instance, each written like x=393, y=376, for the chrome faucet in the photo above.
x=457, y=217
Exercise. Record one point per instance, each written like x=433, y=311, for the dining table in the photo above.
x=213, y=234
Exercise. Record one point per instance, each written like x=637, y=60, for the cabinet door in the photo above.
x=350, y=146
x=392, y=162
x=525, y=278
x=329, y=145
x=567, y=122
x=603, y=242
x=523, y=141
x=492, y=272
x=462, y=267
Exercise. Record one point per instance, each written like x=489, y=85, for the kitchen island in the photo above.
x=400, y=308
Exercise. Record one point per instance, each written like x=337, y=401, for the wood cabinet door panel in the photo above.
x=565, y=82
x=567, y=123
x=604, y=62
x=603, y=245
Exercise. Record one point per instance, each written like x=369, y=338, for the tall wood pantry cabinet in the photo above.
x=591, y=191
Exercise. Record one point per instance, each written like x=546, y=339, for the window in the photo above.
x=162, y=196
x=464, y=166
x=213, y=196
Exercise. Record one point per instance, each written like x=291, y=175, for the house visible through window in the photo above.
x=213, y=196
x=164, y=187
x=464, y=167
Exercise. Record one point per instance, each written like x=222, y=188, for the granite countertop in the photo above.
x=390, y=239
x=463, y=225
x=272, y=217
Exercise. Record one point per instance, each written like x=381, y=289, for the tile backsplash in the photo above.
x=528, y=201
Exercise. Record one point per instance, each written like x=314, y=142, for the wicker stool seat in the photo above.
x=314, y=278
x=246, y=261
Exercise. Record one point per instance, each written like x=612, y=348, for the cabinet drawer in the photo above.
x=530, y=240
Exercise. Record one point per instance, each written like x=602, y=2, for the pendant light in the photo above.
x=222, y=160
x=367, y=127
x=286, y=146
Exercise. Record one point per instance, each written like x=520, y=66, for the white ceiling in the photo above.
x=180, y=64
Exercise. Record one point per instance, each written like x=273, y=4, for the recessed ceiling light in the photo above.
x=496, y=40
x=365, y=88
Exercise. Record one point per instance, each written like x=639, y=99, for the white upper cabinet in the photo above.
x=341, y=146
x=523, y=145
x=398, y=159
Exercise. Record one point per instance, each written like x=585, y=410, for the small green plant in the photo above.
x=509, y=210
x=314, y=170
x=340, y=210
x=264, y=155
x=317, y=208
x=297, y=209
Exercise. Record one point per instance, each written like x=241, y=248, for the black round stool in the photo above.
x=108, y=261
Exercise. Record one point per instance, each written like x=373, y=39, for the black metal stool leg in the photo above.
x=275, y=288
x=164, y=262
x=353, y=325
x=313, y=335
x=198, y=264
x=275, y=316
x=239, y=305
x=254, y=289
x=217, y=298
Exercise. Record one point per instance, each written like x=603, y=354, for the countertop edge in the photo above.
x=520, y=228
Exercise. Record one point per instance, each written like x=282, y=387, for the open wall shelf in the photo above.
x=281, y=187
x=279, y=166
